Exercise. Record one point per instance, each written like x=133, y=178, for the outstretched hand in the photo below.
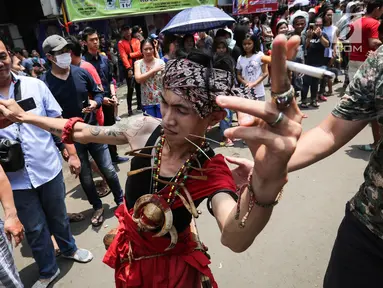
x=271, y=146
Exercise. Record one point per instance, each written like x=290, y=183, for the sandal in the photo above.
x=315, y=104
x=76, y=217
x=97, y=217
x=327, y=94
x=304, y=105
x=336, y=81
x=367, y=148
x=102, y=188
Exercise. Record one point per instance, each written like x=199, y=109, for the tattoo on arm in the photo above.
x=95, y=130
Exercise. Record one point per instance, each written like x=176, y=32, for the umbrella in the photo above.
x=196, y=19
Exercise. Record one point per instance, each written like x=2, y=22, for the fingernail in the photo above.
x=220, y=100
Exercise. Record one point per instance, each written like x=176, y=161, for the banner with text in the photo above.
x=241, y=7
x=81, y=10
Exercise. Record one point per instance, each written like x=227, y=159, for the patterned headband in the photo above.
x=200, y=85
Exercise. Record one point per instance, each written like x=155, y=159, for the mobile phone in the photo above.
x=85, y=104
x=27, y=104
x=312, y=25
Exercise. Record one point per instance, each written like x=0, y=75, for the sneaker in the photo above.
x=81, y=256
x=120, y=160
x=44, y=283
x=117, y=118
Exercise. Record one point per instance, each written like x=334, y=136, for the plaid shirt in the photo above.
x=9, y=277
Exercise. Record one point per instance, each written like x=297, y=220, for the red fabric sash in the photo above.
x=182, y=258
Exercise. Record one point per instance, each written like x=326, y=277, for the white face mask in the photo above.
x=64, y=60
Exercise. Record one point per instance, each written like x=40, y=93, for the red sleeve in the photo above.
x=124, y=55
x=373, y=29
x=92, y=71
x=136, y=45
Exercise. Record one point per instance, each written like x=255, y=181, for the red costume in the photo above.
x=140, y=260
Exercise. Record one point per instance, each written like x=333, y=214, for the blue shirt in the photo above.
x=73, y=92
x=101, y=63
x=42, y=159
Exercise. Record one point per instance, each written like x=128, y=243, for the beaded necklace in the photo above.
x=181, y=175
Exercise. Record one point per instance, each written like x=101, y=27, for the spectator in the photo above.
x=16, y=67
x=11, y=227
x=71, y=86
x=170, y=47
x=299, y=21
x=316, y=43
x=282, y=27
x=148, y=72
x=26, y=62
x=256, y=25
x=234, y=50
x=330, y=30
x=312, y=15
x=250, y=70
x=281, y=13
x=188, y=43
x=221, y=50
x=206, y=40
x=38, y=188
x=137, y=33
x=130, y=51
x=101, y=63
x=25, y=53
x=246, y=22
x=267, y=34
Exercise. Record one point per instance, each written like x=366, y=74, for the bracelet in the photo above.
x=66, y=136
x=265, y=205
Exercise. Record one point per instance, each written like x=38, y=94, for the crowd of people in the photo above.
x=170, y=76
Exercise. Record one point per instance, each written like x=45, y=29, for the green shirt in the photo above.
x=363, y=100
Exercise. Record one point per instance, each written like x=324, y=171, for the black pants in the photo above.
x=109, y=120
x=357, y=257
x=132, y=84
x=312, y=84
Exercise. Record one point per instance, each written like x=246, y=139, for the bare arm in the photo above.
x=225, y=208
x=240, y=78
x=6, y=196
x=265, y=73
x=374, y=43
x=324, y=41
x=12, y=224
x=133, y=132
x=142, y=77
x=328, y=137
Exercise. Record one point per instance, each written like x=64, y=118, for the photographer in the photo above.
x=36, y=176
x=316, y=43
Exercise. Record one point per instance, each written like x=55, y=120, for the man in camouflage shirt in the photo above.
x=357, y=256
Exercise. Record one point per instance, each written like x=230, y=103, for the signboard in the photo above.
x=254, y=6
x=81, y=10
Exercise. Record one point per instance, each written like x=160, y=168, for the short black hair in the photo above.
x=74, y=45
x=222, y=33
x=88, y=31
x=371, y=6
x=125, y=27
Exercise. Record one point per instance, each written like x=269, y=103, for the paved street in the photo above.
x=292, y=251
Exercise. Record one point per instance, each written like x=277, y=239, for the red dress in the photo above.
x=179, y=267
